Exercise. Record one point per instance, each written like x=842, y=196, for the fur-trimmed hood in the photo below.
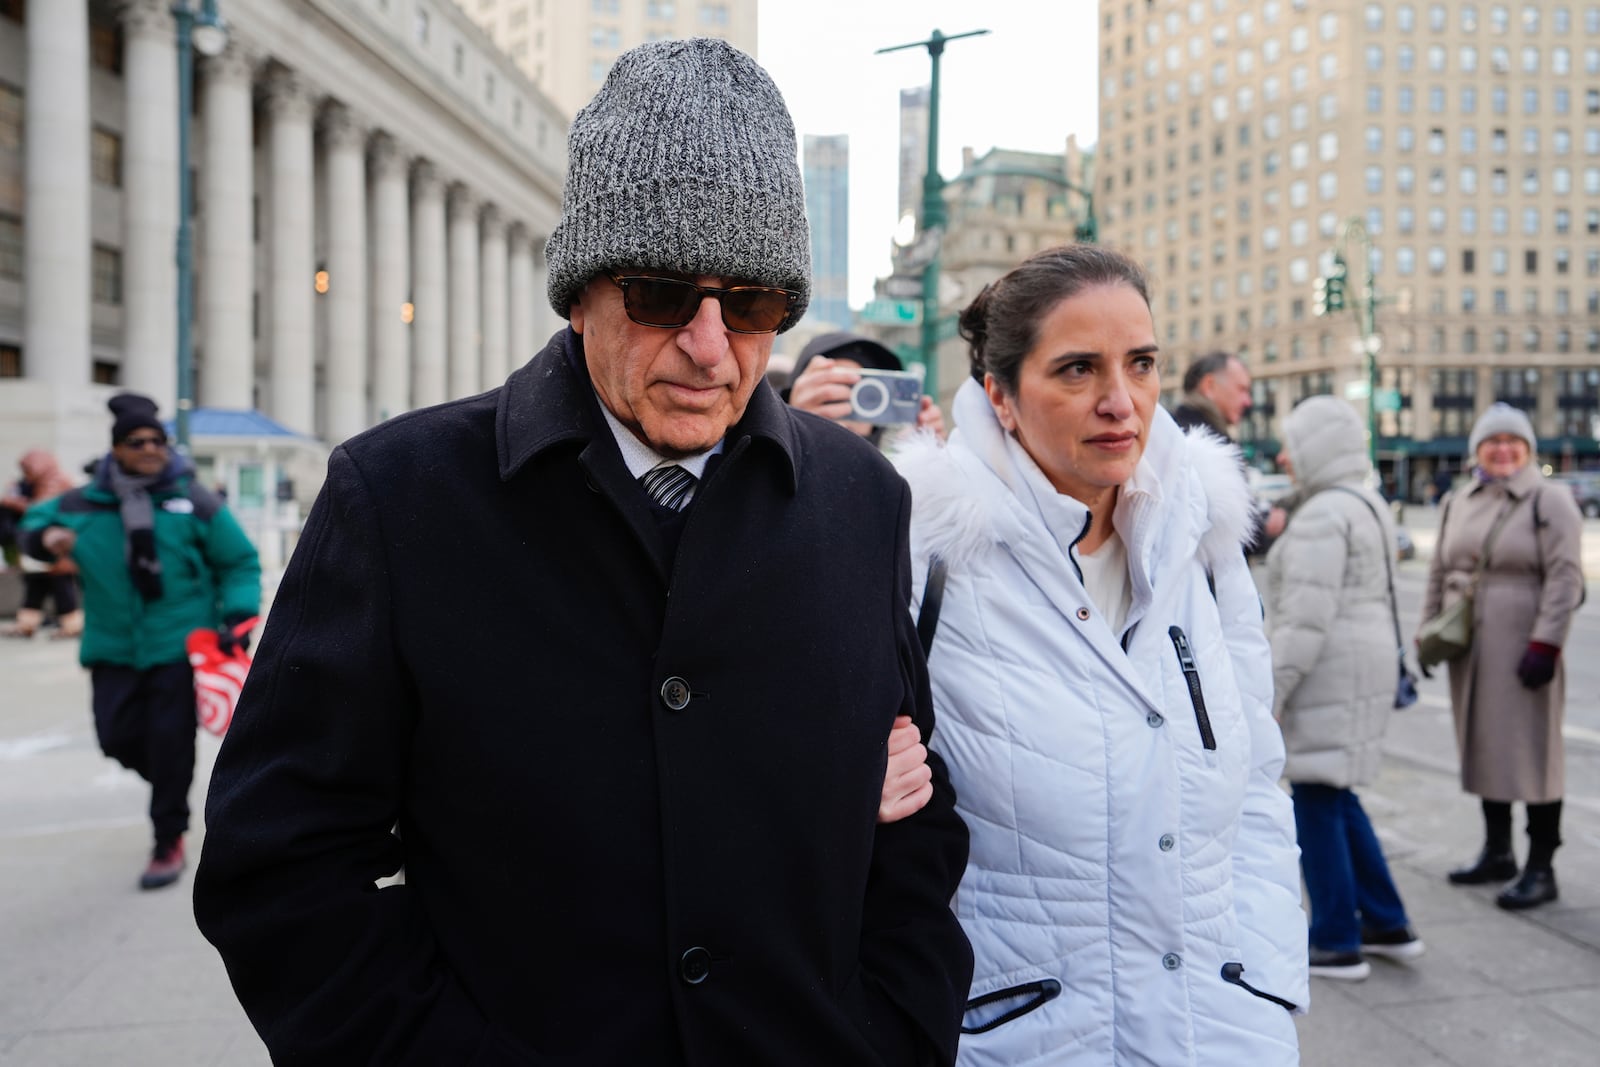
x=1188, y=496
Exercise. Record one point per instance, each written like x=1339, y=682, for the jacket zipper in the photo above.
x=1234, y=973
x=1191, y=675
x=1039, y=994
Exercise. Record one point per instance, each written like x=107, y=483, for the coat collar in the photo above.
x=549, y=401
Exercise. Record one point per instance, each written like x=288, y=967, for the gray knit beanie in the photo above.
x=1502, y=418
x=684, y=161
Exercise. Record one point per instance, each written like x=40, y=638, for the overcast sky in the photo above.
x=1026, y=85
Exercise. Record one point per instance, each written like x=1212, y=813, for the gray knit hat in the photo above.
x=1502, y=418
x=684, y=161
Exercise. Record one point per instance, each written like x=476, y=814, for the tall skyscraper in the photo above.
x=1237, y=141
x=913, y=149
x=826, y=165
x=568, y=46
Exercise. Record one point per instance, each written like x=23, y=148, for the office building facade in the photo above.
x=568, y=46
x=1242, y=144
x=826, y=169
x=373, y=184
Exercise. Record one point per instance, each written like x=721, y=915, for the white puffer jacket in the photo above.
x=1334, y=650
x=1133, y=871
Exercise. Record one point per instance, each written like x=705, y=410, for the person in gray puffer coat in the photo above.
x=1334, y=659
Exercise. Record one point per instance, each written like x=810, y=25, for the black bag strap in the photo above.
x=932, y=600
x=1388, y=562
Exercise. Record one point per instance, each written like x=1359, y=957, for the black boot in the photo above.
x=1497, y=863
x=1536, y=886
x=1538, y=882
x=1492, y=866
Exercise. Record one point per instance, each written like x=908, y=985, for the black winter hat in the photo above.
x=133, y=412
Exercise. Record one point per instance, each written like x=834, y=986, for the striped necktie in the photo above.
x=669, y=485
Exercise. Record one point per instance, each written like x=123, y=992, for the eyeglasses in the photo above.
x=672, y=302
x=141, y=443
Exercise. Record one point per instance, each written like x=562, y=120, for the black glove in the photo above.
x=225, y=639
x=1538, y=665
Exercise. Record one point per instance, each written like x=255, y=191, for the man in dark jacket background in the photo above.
x=160, y=556
x=632, y=779
x=1216, y=396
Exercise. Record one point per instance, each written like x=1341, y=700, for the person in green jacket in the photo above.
x=159, y=556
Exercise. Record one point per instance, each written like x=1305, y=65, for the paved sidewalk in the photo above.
x=94, y=972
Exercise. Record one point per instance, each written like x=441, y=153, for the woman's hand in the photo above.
x=824, y=388
x=908, y=782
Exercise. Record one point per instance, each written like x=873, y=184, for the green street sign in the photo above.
x=892, y=312
x=1386, y=400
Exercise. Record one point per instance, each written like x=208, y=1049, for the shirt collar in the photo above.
x=640, y=458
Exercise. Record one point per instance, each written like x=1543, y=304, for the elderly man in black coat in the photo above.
x=606, y=660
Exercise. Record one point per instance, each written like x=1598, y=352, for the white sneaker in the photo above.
x=1343, y=966
x=1402, y=944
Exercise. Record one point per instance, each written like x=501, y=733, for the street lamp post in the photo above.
x=933, y=215
x=1330, y=291
x=204, y=32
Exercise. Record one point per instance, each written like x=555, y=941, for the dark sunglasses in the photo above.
x=141, y=443
x=672, y=302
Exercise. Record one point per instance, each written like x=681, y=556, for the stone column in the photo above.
x=521, y=342
x=292, y=255
x=493, y=300
x=150, y=201
x=465, y=330
x=427, y=287
x=227, y=248
x=545, y=319
x=391, y=269
x=344, y=141
x=56, y=242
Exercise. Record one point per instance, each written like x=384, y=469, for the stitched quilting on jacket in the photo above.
x=1133, y=870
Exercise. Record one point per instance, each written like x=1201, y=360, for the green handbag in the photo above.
x=1448, y=635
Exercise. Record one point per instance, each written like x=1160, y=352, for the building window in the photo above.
x=11, y=247
x=420, y=26
x=11, y=117
x=1454, y=399
x=107, y=275
x=1469, y=299
x=717, y=15
x=1578, y=398
x=105, y=157
x=105, y=46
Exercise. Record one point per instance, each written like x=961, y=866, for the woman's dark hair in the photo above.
x=1002, y=325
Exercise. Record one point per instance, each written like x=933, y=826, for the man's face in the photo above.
x=1229, y=390
x=679, y=388
x=143, y=452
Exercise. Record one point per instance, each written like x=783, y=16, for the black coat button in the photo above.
x=695, y=965
x=675, y=693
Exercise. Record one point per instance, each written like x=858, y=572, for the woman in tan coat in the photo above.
x=1508, y=693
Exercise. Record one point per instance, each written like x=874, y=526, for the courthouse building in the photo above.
x=373, y=185
x=1237, y=140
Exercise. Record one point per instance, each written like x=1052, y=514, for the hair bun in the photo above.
x=973, y=326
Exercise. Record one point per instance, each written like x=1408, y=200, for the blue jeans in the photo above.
x=1347, y=878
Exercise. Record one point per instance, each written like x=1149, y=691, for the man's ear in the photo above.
x=575, y=313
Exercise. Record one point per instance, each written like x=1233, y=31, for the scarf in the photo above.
x=138, y=523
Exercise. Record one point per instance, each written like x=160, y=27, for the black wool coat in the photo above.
x=637, y=828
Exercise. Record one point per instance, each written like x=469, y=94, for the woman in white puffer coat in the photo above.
x=1335, y=661
x=1103, y=691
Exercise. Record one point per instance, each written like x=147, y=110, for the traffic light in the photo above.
x=1319, y=299
x=1335, y=285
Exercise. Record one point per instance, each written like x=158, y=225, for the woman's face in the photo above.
x=1086, y=392
x=1502, y=455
